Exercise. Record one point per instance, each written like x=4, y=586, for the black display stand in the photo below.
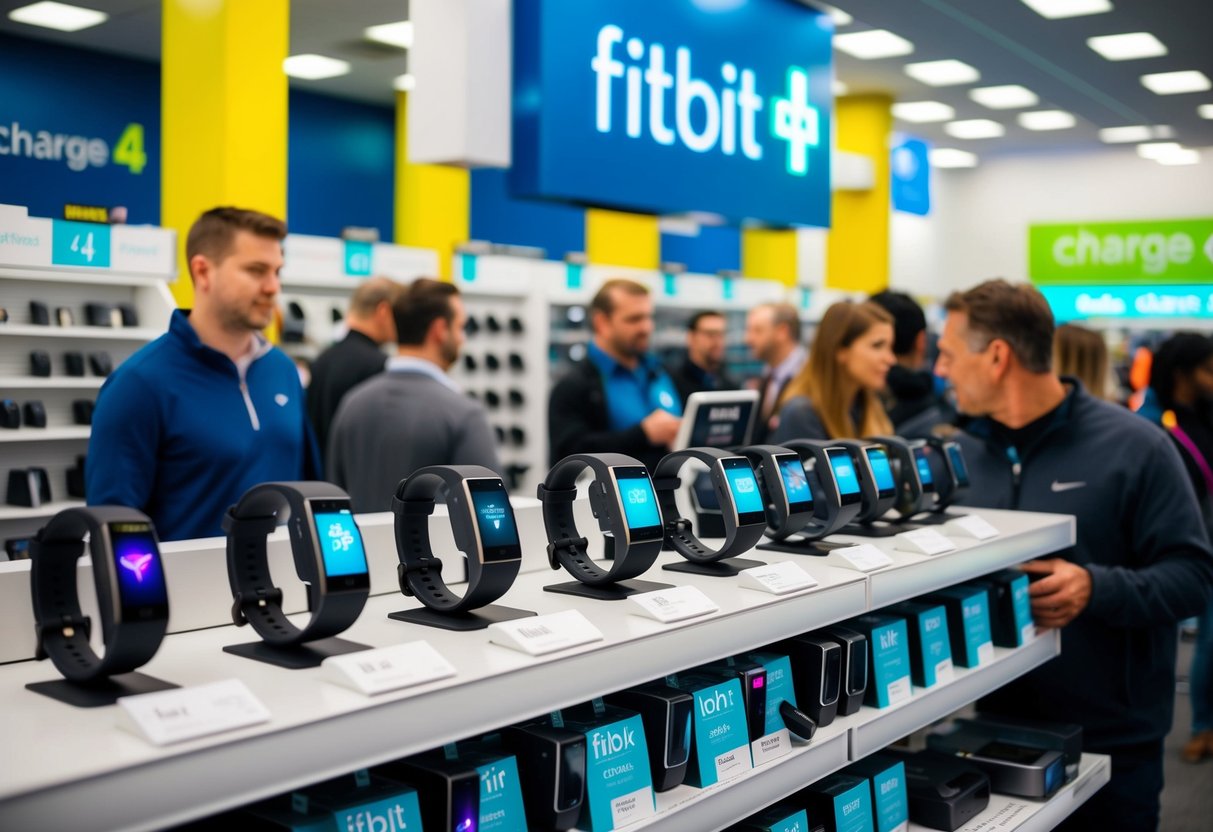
x=934, y=518
x=726, y=568
x=460, y=621
x=874, y=530
x=296, y=657
x=102, y=692
x=605, y=592
x=817, y=548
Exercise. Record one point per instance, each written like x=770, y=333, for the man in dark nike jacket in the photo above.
x=1142, y=560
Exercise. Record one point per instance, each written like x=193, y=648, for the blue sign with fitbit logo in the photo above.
x=683, y=105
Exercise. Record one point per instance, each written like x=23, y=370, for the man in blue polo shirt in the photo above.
x=619, y=399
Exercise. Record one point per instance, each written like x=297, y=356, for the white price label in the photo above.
x=899, y=690
x=632, y=807
x=732, y=763
x=865, y=557
x=170, y=716
x=388, y=668
x=674, y=604
x=985, y=653
x=971, y=526
x=943, y=672
x=542, y=634
x=1027, y=633
x=924, y=542
x=777, y=578
x=771, y=747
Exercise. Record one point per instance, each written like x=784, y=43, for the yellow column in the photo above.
x=857, y=255
x=769, y=254
x=615, y=238
x=223, y=112
x=433, y=202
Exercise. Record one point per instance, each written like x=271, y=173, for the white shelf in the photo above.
x=52, y=383
x=96, y=277
x=124, y=333
x=44, y=510
x=1007, y=813
x=45, y=434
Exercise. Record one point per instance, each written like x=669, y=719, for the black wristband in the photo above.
x=743, y=529
x=833, y=507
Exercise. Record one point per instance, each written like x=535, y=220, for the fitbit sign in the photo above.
x=685, y=105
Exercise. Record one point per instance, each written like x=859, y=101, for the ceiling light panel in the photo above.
x=839, y=17
x=923, y=112
x=950, y=157
x=1005, y=97
x=1124, y=135
x=873, y=44
x=314, y=67
x=974, y=128
x=1183, y=156
x=404, y=83
x=943, y=73
x=398, y=34
x=1172, y=83
x=1046, y=120
x=1153, y=150
x=1128, y=47
x=59, y=16
x=1205, y=110
x=1058, y=9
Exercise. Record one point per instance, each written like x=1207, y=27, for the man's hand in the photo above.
x=660, y=427
x=1059, y=596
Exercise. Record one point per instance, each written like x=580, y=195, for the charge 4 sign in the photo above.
x=682, y=105
x=1163, y=251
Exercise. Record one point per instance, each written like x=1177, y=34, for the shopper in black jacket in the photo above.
x=1141, y=561
x=619, y=399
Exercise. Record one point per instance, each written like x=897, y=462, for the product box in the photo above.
x=890, y=802
x=275, y=815
x=360, y=801
x=776, y=740
x=551, y=770
x=501, y=806
x=619, y=786
x=448, y=787
x=854, y=667
x=782, y=817
x=1023, y=770
x=889, y=658
x=945, y=792
x=841, y=802
x=930, y=646
x=666, y=713
x=968, y=607
x=1010, y=607
x=1059, y=736
x=720, y=744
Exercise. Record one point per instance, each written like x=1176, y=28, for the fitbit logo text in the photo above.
x=390, y=820
x=715, y=703
x=604, y=743
x=888, y=639
x=493, y=780
x=730, y=106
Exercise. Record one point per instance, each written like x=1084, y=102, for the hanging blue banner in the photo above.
x=911, y=176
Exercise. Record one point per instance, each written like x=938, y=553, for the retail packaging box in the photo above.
x=619, y=785
x=1010, y=607
x=360, y=801
x=720, y=742
x=889, y=658
x=890, y=803
x=775, y=741
x=782, y=817
x=968, y=607
x=842, y=802
x=930, y=646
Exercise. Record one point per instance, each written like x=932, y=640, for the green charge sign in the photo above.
x=1137, y=252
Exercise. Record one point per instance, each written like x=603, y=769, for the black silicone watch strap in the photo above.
x=420, y=572
x=829, y=514
x=738, y=539
x=256, y=601
x=569, y=548
x=910, y=495
x=62, y=630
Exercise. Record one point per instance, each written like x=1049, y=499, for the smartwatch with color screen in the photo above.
x=955, y=484
x=789, y=499
x=622, y=498
x=741, y=503
x=131, y=593
x=841, y=495
x=327, y=549
x=483, y=524
x=877, y=486
x=905, y=457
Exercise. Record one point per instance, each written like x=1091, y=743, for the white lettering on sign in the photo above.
x=1154, y=250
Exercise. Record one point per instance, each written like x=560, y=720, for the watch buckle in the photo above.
x=258, y=598
x=680, y=525
x=424, y=564
x=66, y=626
x=574, y=543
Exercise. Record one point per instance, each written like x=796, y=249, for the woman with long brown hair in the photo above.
x=834, y=394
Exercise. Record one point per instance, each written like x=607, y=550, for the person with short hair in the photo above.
x=1141, y=561
x=194, y=419
x=772, y=332
x=618, y=399
x=835, y=394
x=370, y=323
x=703, y=369
x=414, y=414
x=912, y=398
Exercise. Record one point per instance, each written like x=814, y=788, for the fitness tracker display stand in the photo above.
x=102, y=692
x=879, y=490
x=298, y=656
x=951, y=477
x=484, y=528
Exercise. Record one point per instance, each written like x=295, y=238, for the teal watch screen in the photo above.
x=924, y=469
x=844, y=472
x=340, y=541
x=639, y=501
x=881, y=470
x=795, y=482
x=958, y=463
x=743, y=486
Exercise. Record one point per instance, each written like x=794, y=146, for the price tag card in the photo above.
x=971, y=526
x=542, y=634
x=985, y=653
x=776, y=578
x=944, y=671
x=677, y=603
x=183, y=714
x=388, y=668
x=923, y=542
x=865, y=557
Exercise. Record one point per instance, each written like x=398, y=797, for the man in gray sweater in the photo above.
x=413, y=415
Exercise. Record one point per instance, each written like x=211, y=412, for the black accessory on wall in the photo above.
x=100, y=363
x=294, y=324
x=10, y=414
x=516, y=325
x=469, y=363
x=472, y=326
x=17, y=548
x=516, y=362
x=40, y=363
x=492, y=399
x=75, y=479
x=82, y=411
x=492, y=363
x=130, y=317
x=492, y=324
x=39, y=314
x=35, y=414
x=73, y=363
x=516, y=398
x=28, y=487
x=64, y=316
x=518, y=436
x=100, y=314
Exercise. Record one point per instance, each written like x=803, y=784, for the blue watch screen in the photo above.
x=924, y=469
x=743, y=487
x=494, y=519
x=341, y=546
x=844, y=472
x=795, y=482
x=640, y=510
x=141, y=587
x=958, y=463
x=882, y=471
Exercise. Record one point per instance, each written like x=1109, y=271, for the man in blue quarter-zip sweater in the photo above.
x=192, y=420
x=1141, y=561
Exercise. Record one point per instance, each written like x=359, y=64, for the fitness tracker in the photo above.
x=877, y=485
x=625, y=503
x=789, y=499
x=328, y=553
x=484, y=528
x=954, y=486
x=132, y=596
x=816, y=674
x=911, y=489
x=841, y=492
x=740, y=500
x=854, y=671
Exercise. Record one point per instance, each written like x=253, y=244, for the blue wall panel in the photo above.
x=501, y=218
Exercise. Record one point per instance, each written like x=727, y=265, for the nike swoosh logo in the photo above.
x=1059, y=487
